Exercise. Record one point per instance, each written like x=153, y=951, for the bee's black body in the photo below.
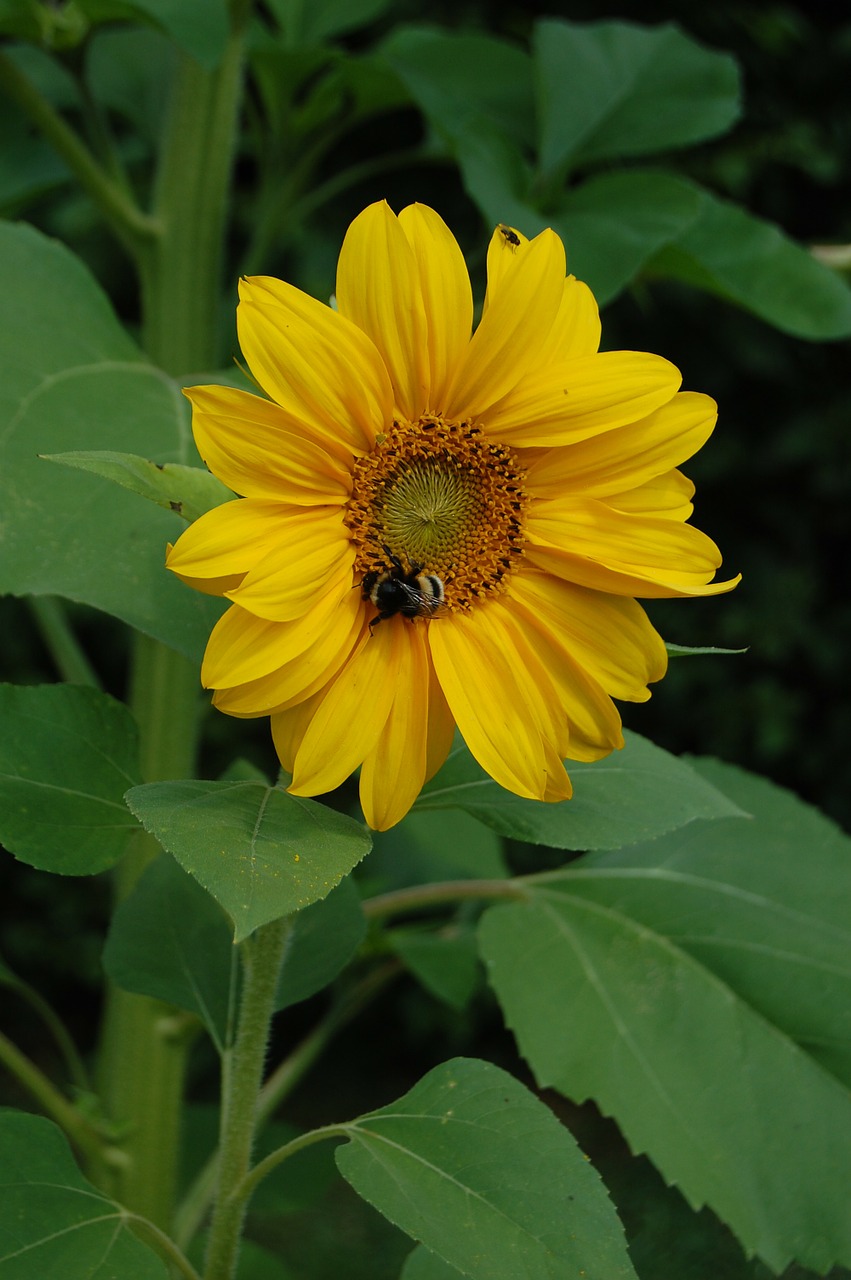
x=409, y=592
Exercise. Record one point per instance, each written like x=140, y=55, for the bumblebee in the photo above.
x=410, y=592
x=510, y=237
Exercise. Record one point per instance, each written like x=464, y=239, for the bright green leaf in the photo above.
x=763, y=902
x=323, y=939
x=261, y=853
x=497, y=177
x=611, y=89
x=67, y=755
x=478, y=1169
x=464, y=82
x=53, y=1223
x=614, y=223
x=631, y=795
x=169, y=939
x=187, y=491
x=752, y=263
x=446, y=964
x=727, y=1107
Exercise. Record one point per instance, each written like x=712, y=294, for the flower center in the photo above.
x=441, y=496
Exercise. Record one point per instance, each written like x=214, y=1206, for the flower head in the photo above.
x=441, y=527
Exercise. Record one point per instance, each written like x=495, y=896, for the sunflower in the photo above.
x=441, y=527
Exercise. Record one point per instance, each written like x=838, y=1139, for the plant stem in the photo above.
x=71, y=662
x=131, y=226
x=163, y=1245
x=54, y=1104
x=242, y=1074
x=144, y=1045
x=432, y=895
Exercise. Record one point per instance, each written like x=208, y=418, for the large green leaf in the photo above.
x=726, y=1104
x=764, y=902
x=611, y=89
x=632, y=795
x=53, y=1223
x=752, y=263
x=72, y=379
x=464, y=82
x=261, y=853
x=321, y=20
x=614, y=223
x=67, y=755
x=474, y=1166
x=169, y=939
x=423, y=1265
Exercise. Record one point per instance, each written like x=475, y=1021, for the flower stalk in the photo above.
x=242, y=1074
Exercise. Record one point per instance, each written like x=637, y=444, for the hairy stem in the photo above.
x=242, y=1074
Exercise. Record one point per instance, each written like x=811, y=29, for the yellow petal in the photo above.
x=303, y=675
x=227, y=540
x=614, y=461
x=441, y=725
x=560, y=404
x=609, y=636
x=378, y=288
x=594, y=545
x=290, y=726
x=506, y=244
x=312, y=555
x=494, y=702
x=261, y=451
x=512, y=331
x=314, y=362
x=593, y=722
x=354, y=710
x=668, y=496
x=447, y=297
x=243, y=647
x=394, y=770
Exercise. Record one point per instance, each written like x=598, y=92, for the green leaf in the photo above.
x=422, y=1265
x=53, y=1222
x=321, y=20
x=764, y=903
x=613, y=89
x=170, y=940
x=474, y=1166
x=127, y=70
x=323, y=940
x=633, y=794
x=73, y=379
x=200, y=27
x=67, y=755
x=726, y=1105
x=446, y=964
x=615, y=223
x=437, y=844
x=187, y=491
x=464, y=82
x=752, y=263
x=261, y=853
